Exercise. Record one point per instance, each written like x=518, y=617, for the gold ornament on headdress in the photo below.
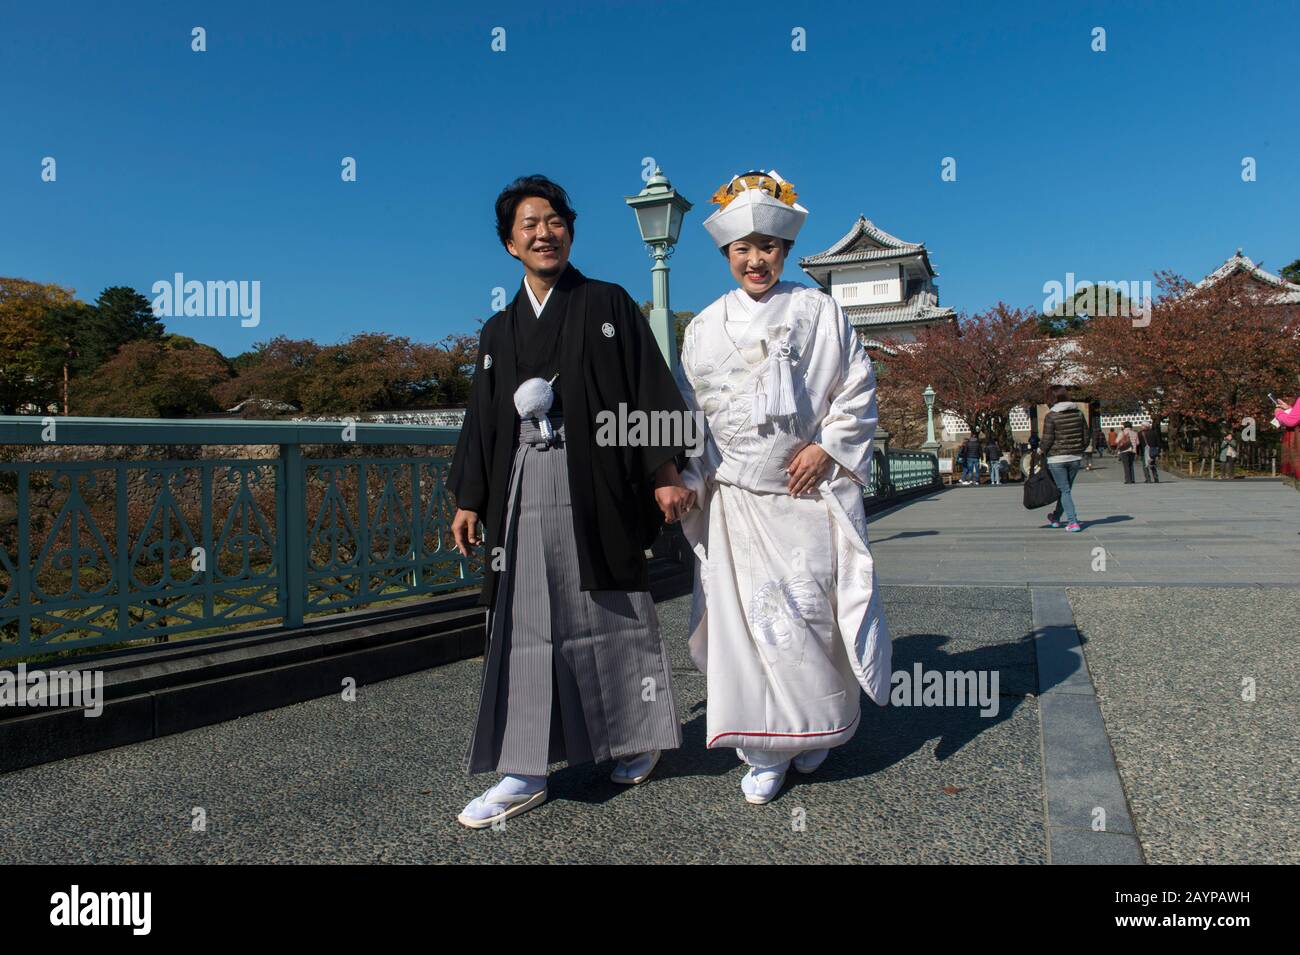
x=764, y=183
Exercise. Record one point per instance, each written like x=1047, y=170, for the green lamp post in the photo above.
x=659, y=211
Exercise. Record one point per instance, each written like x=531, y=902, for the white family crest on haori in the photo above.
x=487, y=362
x=608, y=330
x=533, y=399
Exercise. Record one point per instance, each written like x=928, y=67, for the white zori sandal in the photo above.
x=760, y=786
x=633, y=770
x=510, y=797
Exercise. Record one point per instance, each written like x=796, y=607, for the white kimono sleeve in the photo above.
x=847, y=430
x=699, y=467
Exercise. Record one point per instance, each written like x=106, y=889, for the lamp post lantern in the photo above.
x=930, y=445
x=659, y=211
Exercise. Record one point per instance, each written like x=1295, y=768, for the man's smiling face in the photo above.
x=756, y=262
x=540, y=237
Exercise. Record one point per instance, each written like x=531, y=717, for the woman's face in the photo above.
x=756, y=262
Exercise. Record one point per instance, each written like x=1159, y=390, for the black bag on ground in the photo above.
x=1040, y=489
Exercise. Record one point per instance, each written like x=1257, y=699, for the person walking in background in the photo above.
x=1111, y=439
x=1126, y=444
x=1228, y=455
x=1065, y=433
x=993, y=454
x=973, y=454
x=1149, y=441
x=1099, y=442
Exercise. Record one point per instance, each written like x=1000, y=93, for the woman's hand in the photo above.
x=807, y=468
x=1283, y=404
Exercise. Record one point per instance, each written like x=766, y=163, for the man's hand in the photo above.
x=671, y=493
x=465, y=531
x=674, y=502
x=807, y=468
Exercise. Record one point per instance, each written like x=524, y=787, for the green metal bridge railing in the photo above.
x=899, y=473
x=114, y=551
x=100, y=553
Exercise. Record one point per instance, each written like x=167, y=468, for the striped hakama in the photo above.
x=572, y=675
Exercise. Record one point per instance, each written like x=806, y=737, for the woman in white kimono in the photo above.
x=786, y=618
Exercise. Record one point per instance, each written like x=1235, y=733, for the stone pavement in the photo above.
x=1195, y=602
x=1175, y=532
x=380, y=780
x=1185, y=768
x=1210, y=776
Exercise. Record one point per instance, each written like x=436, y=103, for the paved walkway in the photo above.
x=1175, y=532
x=380, y=780
x=1200, y=690
x=1175, y=630
x=1184, y=768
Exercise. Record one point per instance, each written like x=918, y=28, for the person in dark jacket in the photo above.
x=1065, y=435
x=993, y=455
x=974, y=451
x=1149, y=449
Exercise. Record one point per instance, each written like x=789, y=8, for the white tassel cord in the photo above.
x=780, y=384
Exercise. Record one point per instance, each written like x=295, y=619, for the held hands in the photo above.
x=466, y=531
x=671, y=493
x=807, y=468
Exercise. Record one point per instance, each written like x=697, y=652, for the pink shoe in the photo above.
x=1074, y=528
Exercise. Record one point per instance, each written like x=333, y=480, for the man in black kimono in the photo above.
x=575, y=667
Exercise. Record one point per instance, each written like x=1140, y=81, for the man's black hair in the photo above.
x=525, y=187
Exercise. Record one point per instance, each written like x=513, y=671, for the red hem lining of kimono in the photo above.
x=709, y=745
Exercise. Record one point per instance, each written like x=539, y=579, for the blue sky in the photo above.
x=225, y=164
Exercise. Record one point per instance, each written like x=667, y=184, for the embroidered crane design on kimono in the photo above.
x=779, y=611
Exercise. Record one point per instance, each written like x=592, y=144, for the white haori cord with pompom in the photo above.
x=533, y=399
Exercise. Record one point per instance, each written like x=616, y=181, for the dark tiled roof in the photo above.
x=922, y=307
x=863, y=227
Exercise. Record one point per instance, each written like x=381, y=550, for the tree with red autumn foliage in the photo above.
x=1209, y=355
x=979, y=368
x=170, y=378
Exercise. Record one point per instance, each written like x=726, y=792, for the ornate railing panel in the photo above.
x=900, y=472
x=910, y=470
x=378, y=530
